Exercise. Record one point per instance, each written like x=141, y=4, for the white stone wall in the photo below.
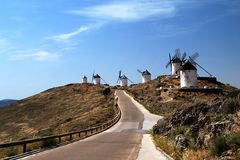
x=96, y=81
x=188, y=78
x=146, y=78
x=124, y=82
x=175, y=68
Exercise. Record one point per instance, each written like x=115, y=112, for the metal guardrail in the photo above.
x=87, y=133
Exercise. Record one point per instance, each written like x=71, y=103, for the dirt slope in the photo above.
x=57, y=110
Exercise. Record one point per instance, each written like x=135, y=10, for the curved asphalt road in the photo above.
x=122, y=142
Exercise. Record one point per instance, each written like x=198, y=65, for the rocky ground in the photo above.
x=197, y=125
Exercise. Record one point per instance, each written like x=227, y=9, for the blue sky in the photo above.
x=45, y=43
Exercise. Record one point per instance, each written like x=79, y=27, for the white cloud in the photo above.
x=67, y=36
x=128, y=11
x=40, y=55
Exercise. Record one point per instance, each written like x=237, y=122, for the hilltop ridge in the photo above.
x=57, y=110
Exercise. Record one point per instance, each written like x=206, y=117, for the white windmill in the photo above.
x=188, y=75
x=84, y=80
x=123, y=80
x=146, y=76
x=176, y=61
x=188, y=72
x=96, y=79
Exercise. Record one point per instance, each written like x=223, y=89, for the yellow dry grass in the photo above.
x=55, y=111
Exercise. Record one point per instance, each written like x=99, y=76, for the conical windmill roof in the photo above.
x=146, y=73
x=123, y=77
x=96, y=76
x=188, y=66
x=176, y=60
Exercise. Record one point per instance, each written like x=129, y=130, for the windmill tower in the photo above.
x=188, y=75
x=146, y=76
x=176, y=61
x=96, y=79
x=123, y=80
x=84, y=80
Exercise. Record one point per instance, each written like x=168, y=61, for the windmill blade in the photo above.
x=191, y=60
x=168, y=64
x=184, y=56
x=118, y=80
x=178, y=53
x=120, y=73
x=93, y=75
x=139, y=71
x=104, y=80
x=130, y=80
x=194, y=56
x=170, y=60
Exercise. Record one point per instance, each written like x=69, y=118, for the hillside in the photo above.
x=6, y=102
x=196, y=125
x=57, y=110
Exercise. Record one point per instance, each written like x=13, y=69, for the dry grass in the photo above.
x=163, y=143
x=195, y=155
x=55, y=111
x=167, y=102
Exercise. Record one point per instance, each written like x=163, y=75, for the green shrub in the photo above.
x=233, y=140
x=49, y=142
x=11, y=151
x=106, y=91
x=231, y=106
x=219, y=146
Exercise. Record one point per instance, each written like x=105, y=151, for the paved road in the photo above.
x=122, y=142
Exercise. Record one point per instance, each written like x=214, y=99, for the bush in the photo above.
x=231, y=106
x=219, y=146
x=11, y=151
x=233, y=140
x=106, y=91
x=49, y=142
x=224, y=143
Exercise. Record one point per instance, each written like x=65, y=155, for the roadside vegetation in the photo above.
x=196, y=126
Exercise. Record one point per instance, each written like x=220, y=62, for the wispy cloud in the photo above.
x=128, y=10
x=38, y=55
x=65, y=37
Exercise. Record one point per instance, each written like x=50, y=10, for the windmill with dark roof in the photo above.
x=188, y=75
x=96, y=79
x=146, y=76
x=123, y=79
x=84, y=80
x=176, y=61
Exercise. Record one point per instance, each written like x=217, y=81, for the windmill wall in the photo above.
x=146, y=78
x=123, y=82
x=175, y=68
x=188, y=78
x=96, y=81
x=84, y=80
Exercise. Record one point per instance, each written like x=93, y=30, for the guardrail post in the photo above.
x=79, y=134
x=24, y=147
x=59, y=139
x=70, y=137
